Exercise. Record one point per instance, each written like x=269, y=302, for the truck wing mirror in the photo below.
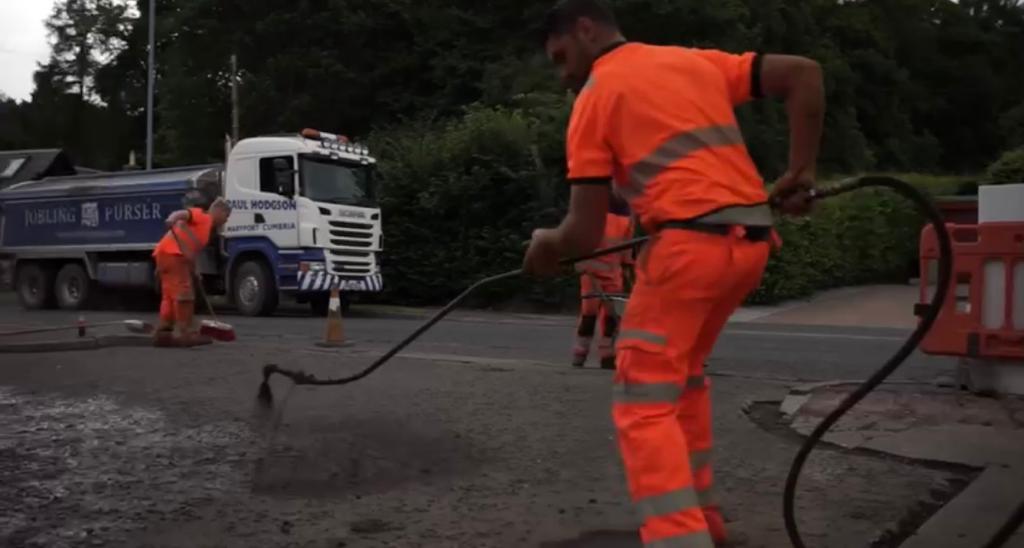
x=284, y=176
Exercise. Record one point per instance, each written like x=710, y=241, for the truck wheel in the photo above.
x=73, y=287
x=34, y=284
x=254, y=290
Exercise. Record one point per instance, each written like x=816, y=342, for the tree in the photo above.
x=85, y=35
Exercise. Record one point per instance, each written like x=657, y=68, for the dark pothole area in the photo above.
x=598, y=539
x=767, y=416
x=356, y=458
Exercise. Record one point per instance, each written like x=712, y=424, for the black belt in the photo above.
x=752, y=233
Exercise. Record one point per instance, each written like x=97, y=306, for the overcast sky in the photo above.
x=22, y=44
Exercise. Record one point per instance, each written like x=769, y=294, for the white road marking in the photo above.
x=812, y=335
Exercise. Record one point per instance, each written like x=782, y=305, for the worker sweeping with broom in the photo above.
x=189, y=231
x=660, y=121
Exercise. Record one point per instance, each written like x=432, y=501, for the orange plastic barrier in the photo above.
x=983, y=316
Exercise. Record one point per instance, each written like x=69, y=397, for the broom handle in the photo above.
x=59, y=328
x=196, y=279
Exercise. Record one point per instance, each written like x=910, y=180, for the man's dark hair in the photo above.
x=564, y=14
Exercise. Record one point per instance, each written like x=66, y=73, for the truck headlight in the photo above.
x=312, y=267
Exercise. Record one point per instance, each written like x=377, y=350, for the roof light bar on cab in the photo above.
x=323, y=135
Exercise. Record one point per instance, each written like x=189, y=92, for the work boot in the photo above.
x=164, y=338
x=191, y=339
x=188, y=337
x=733, y=541
x=578, y=360
x=716, y=526
x=608, y=362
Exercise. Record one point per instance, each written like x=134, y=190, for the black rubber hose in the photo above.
x=301, y=377
x=942, y=289
x=1008, y=529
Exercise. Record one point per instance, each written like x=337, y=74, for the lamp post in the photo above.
x=150, y=84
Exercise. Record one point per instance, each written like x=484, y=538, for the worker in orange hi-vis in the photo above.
x=189, y=231
x=600, y=277
x=660, y=122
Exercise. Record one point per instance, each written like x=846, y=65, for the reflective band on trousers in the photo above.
x=678, y=147
x=658, y=392
x=668, y=503
x=696, y=381
x=645, y=336
x=696, y=539
x=700, y=459
x=706, y=497
x=666, y=392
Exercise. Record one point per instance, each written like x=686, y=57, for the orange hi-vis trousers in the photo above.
x=688, y=284
x=593, y=311
x=175, y=288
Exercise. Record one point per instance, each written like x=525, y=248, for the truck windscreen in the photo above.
x=347, y=183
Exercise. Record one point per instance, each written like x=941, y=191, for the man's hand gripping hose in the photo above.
x=942, y=287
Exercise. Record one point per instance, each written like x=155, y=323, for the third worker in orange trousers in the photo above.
x=599, y=277
x=189, y=230
x=660, y=122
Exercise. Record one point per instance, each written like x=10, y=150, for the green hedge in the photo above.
x=1008, y=169
x=870, y=236
x=461, y=197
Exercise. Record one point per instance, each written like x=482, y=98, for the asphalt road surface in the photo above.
x=478, y=435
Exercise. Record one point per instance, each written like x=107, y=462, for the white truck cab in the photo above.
x=307, y=204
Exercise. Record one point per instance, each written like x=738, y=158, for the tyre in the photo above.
x=34, y=284
x=73, y=287
x=254, y=290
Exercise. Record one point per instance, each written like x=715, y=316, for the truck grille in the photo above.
x=352, y=263
x=348, y=234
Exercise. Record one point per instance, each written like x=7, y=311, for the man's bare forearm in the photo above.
x=798, y=81
x=182, y=215
x=805, y=107
x=582, y=228
x=576, y=238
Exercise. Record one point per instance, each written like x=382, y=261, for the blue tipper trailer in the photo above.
x=62, y=236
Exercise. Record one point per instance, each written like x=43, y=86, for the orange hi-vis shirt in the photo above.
x=660, y=121
x=194, y=235
x=617, y=229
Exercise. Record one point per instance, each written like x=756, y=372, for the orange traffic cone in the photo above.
x=334, y=334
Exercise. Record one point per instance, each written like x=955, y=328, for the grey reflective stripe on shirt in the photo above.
x=697, y=539
x=668, y=503
x=194, y=239
x=645, y=336
x=679, y=147
x=665, y=392
x=756, y=215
